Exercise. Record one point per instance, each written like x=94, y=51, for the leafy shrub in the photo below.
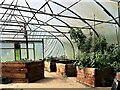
x=95, y=53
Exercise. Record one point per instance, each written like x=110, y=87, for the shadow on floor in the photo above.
x=45, y=80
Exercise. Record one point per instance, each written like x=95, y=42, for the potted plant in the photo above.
x=114, y=55
x=93, y=65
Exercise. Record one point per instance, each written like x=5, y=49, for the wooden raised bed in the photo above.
x=66, y=69
x=22, y=72
x=94, y=77
x=50, y=66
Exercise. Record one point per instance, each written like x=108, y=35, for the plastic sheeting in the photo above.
x=58, y=16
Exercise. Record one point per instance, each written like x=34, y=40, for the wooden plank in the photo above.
x=14, y=75
x=66, y=69
x=20, y=80
x=13, y=65
x=14, y=70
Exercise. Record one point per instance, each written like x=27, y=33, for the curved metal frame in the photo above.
x=57, y=39
x=77, y=16
x=34, y=11
x=55, y=29
x=107, y=12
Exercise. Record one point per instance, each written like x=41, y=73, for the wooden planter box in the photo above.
x=50, y=66
x=94, y=77
x=64, y=69
x=22, y=72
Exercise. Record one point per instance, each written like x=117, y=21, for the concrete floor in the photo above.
x=51, y=80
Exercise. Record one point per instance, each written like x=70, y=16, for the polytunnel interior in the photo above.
x=42, y=26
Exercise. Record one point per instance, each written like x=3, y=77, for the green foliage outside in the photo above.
x=17, y=52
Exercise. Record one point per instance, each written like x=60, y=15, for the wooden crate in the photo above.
x=21, y=72
x=50, y=66
x=94, y=77
x=66, y=70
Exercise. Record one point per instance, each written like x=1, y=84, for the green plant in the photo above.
x=114, y=56
x=78, y=37
x=84, y=60
x=24, y=60
x=17, y=52
x=100, y=44
x=98, y=54
x=101, y=60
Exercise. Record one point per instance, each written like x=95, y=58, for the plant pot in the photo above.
x=64, y=69
x=50, y=66
x=22, y=72
x=94, y=77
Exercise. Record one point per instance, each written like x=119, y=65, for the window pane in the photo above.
x=23, y=45
x=6, y=45
x=30, y=45
x=23, y=54
x=7, y=55
x=38, y=51
x=31, y=55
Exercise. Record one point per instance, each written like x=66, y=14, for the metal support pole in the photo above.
x=25, y=35
x=43, y=48
x=94, y=39
x=118, y=34
x=20, y=51
x=34, y=51
x=94, y=26
x=14, y=52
